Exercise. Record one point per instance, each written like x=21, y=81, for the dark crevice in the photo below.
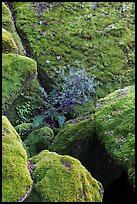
x=120, y=190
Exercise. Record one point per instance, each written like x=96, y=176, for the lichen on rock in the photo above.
x=62, y=179
x=16, y=179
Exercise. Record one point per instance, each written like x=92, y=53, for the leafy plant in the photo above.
x=73, y=86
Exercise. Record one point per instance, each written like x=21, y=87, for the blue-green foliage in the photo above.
x=72, y=87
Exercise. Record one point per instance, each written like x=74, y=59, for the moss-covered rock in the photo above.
x=115, y=122
x=74, y=34
x=17, y=73
x=23, y=130
x=80, y=140
x=8, y=24
x=62, y=179
x=106, y=138
x=39, y=140
x=16, y=179
x=26, y=105
x=8, y=44
x=74, y=139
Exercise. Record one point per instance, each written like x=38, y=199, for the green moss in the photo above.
x=16, y=178
x=106, y=138
x=17, y=73
x=115, y=121
x=8, y=24
x=23, y=109
x=72, y=33
x=39, y=140
x=8, y=44
x=63, y=179
x=74, y=139
x=23, y=129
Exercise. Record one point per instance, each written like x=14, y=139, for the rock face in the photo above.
x=115, y=121
x=15, y=68
x=39, y=140
x=74, y=34
x=109, y=134
x=16, y=179
x=8, y=44
x=17, y=72
x=62, y=179
x=8, y=24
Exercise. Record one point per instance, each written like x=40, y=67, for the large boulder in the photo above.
x=60, y=178
x=101, y=40
x=17, y=73
x=16, y=179
x=106, y=138
x=115, y=122
x=39, y=140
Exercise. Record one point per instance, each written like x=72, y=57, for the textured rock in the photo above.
x=16, y=180
x=74, y=34
x=39, y=140
x=17, y=73
x=8, y=44
x=62, y=179
x=106, y=138
x=8, y=24
x=115, y=121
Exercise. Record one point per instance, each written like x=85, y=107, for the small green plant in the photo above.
x=72, y=87
x=25, y=112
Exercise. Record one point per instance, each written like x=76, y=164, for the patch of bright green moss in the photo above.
x=39, y=140
x=8, y=24
x=17, y=73
x=72, y=33
x=8, y=44
x=16, y=180
x=63, y=179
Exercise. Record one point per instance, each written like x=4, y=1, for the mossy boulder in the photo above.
x=115, y=122
x=8, y=44
x=80, y=140
x=17, y=73
x=74, y=34
x=62, y=179
x=16, y=179
x=8, y=24
x=39, y=140
x=106, y=137
x=23, y=130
